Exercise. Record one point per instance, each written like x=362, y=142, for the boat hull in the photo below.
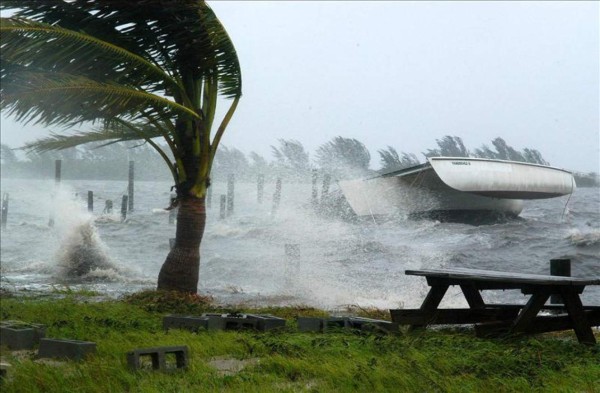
x=419, y=195
x=503, y=179
x=455, y=185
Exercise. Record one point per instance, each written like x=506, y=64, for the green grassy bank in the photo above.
x=284, y=361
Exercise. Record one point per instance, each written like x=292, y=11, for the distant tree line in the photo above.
x=341, y=157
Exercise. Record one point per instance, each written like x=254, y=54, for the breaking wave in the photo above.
x=584, y=238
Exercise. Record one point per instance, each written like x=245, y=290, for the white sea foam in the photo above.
x=584, y=238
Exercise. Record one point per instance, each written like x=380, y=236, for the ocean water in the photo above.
x=330, y=263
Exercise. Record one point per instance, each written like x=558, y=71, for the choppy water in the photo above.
x=243, y=257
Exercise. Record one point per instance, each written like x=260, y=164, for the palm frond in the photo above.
x=40, y=46
x=66, y=100
x=181, y=36
x=60, y=142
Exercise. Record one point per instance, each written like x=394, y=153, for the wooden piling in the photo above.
x=223, y=207
x=108, y=207
x=91, y=201
x=230, y=192
x=4, y=210
x=260, y=188
x=209, y=197
x=57, y=176
x=173, y=211
x=130, y=186
x=325, y=190
x=57, y=171
x=315, y=194
x=276, y=196
x=559, y=267
x=124, y=205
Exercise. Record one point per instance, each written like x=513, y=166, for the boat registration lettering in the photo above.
x=461, y=163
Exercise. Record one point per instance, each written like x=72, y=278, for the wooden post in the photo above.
x=223, y=206
x=559, y=267
x=130, y=186
x=4, y=210
x=315, y=194
x=292, y=250
x=57, y=171
x=276, y=196
x=173, y=211
x=209, y=197
x=108, y=206
x=230, y=191
x=124, y=205
x=57, y=175
x=325, y=190
x=260, y=188
x=91, y=201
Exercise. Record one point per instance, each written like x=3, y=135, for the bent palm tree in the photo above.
x=137, y=70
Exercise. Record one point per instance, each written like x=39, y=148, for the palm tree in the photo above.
x=392, y=161
x=136, y=70
x=344, y=157
x=449, y=146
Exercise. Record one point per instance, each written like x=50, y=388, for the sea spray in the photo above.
x=81, y=250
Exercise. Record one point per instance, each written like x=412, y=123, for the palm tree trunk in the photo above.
x=180, y=270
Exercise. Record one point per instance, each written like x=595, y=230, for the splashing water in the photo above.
x=335, y=262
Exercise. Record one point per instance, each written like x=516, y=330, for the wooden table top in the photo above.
x=470, y=275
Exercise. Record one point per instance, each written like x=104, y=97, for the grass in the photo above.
x=285, y=361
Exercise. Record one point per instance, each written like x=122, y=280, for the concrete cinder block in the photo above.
x=186, y=322
x=158, y=356
x=267, y=322
x=237, y=322
x=18, y=335
x=65, y=349
x=4, y=367
x=373, y=325
x=244, y=321
x=310, y=324
x=336, y=323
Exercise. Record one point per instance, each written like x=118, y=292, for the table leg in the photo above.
x=530, y=311
x=574, y=307
x=473, y=296
x=431, y=302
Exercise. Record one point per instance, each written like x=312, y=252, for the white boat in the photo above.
x=457, y=185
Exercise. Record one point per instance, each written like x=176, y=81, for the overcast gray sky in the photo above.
x=405, y=74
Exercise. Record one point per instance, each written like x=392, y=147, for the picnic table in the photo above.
x=494, y=319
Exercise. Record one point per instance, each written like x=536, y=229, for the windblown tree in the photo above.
x=7, y=155
x=135, y=70
x=503, y=151
x=392, y=161
x=449, y=146
x=291, y=159
x=291, y=155
x=344, y=157
x=258, y=164
x=230, y=161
